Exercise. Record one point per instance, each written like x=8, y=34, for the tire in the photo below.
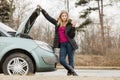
x=18, y=64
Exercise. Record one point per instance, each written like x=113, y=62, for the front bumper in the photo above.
x=44, y=60
x=50, y=60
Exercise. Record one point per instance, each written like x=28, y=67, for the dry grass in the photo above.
x=88, y=60
x=111, y=59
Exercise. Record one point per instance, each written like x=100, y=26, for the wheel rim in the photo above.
x=17, y=66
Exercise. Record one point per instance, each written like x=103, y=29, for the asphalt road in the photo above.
x=60, y=74
x=89, y=73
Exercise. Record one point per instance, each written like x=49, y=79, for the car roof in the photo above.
x=6, y=28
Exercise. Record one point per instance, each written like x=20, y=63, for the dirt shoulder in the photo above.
x=36, y=77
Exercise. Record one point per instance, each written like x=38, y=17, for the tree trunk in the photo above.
x=12, y=8
x=68, y=5
x=100, y=7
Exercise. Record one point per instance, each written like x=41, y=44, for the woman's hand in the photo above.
x=39, y=7
x=73, y=23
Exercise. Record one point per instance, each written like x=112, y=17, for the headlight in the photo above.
x=44, y=45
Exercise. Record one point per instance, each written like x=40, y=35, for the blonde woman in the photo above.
x=64, y=39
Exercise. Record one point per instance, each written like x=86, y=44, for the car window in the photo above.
x=2, y=34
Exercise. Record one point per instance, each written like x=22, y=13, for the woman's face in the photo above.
x=64, y=17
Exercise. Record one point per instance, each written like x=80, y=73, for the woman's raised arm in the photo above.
x=47, y=16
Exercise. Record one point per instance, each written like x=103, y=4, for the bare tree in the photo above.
x=12, y=9
x=4, y=11
x=100, y=9
x=22, y=7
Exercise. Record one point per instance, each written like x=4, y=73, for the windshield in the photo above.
x=21, y=35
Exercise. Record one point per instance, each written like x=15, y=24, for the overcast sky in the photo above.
x=53, y=7
x=58, y=5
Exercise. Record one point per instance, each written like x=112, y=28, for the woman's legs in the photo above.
x=63, y=54
x=64, y=50
x=70, y=52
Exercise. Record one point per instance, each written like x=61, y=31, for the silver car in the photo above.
x=20, y=54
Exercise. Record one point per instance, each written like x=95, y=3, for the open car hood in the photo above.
x=27, y=24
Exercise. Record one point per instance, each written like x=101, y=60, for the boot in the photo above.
x=69, y=73
x=72, y=72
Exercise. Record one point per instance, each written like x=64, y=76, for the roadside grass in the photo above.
x=110, y=59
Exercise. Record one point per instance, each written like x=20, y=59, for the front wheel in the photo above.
x=18, y=64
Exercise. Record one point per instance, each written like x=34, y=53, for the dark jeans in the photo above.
x=66, y=49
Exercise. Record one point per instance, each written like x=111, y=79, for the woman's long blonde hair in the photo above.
x=59, y=18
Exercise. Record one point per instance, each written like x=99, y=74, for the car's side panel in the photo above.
x=9, y=43
x=48, y=63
